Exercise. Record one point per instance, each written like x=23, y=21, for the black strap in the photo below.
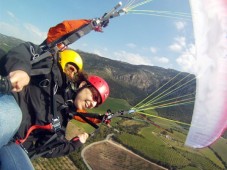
x=67, y=39
x=35, y=155
x=53, y=89
x=40, y=71
x=84, y=117
x=41, y=57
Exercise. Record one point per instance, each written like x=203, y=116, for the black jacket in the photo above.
x=35, y=101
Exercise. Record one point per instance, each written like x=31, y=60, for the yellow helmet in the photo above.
x=70, y=56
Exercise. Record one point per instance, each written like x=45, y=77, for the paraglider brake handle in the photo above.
x=98, y=23
x=5, y=85
x=112, y=13
x=109, y=115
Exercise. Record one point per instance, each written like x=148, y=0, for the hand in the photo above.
x=18, y=79
x=83, y=137
x=107, y=117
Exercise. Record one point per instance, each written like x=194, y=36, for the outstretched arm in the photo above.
x=65, y=147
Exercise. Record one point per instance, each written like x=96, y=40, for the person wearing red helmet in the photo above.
x=88, y=93
x=99, y=89
x=35, y=101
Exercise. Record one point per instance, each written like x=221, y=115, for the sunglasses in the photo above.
x=95, y=95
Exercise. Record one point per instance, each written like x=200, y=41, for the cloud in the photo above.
x=180, y=25
x=11, y=15
x=175, y=47
x=24, y=31
x=131, y=45
x=178, y=44
x=162, y=60
x=132, y=58
x=153, y=50
x=8, y=29
x=98, y=52
x=35, y=32
x=181, y=41
x=186, y=60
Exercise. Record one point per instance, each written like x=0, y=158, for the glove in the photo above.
x=107, y=117
x=5, y=85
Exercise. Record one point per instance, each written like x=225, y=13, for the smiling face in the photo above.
x=87, y=98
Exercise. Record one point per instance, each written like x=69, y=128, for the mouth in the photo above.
x=87, y=105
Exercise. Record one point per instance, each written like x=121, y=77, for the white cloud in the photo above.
x=11, y=14
x=132, y=58
x=181, y=41
x=103, y=52
x=175, y=47
x=98, y=52
x=180, y=25
x=153, y=50
x=35, y=31
x=8, y=29
x=131, y=45
x=24, y=31
x=186, y=61
x=178, y=44
x=162, y=60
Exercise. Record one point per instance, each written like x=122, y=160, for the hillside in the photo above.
x=134, y=82
x=157, y=140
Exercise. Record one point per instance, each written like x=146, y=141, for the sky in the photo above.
x=160, y=34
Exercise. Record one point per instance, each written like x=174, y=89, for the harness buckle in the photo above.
x=56, y=124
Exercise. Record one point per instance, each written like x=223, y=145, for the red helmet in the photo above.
x=100, y=85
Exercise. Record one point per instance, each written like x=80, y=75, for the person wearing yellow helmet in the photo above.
x=70, y=56
x=33, y=92
x=71, y=63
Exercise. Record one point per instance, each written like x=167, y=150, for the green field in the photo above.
x=161, y=142
x=164, y=144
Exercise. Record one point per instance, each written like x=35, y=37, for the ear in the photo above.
x=82, y=84
x=72, y=70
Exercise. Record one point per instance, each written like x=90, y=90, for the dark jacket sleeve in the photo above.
x=63, y=148
x=19, y=57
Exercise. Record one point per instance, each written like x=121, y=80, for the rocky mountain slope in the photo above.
x=134, y=82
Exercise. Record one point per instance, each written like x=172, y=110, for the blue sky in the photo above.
x=165, y=41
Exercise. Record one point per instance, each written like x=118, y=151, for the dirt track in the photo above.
x=96, y=156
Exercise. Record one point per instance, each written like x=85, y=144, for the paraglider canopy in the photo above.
x=210, y=112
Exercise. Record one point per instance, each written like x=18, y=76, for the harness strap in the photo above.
x=41, y=57
x=34, y=127
x=54, y=85
x=68, y=39
x=40, y=71
x=84, y=117
x=39, y=154
x=78, y=34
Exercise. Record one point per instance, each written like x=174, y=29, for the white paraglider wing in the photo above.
x=209, y=119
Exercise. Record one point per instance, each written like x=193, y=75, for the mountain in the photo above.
x=135, y=82
x=7, y=42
